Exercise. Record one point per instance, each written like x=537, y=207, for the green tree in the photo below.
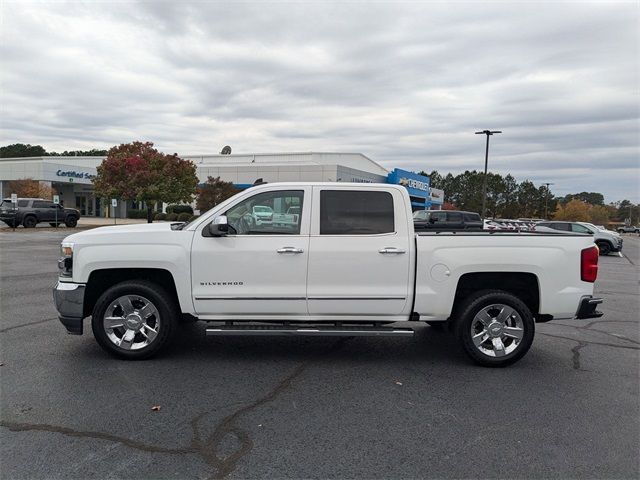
x=213, y=192
x=593, y=198
x=94, y=152
x=137, y=171
x=528, y=199
x=22, y=150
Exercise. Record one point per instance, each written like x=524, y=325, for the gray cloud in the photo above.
x=404, y=83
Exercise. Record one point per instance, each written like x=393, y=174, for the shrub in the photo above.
x=172, y=217
x=184, y=216
x=134, y=213
x=160, y=216
x=178, y=209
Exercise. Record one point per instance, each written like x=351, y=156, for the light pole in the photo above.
x=488, y=133
x=546, y=200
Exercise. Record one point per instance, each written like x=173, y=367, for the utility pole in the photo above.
x=546, y=200
x=488, y=133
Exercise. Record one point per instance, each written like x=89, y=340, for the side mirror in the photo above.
x=219, y=227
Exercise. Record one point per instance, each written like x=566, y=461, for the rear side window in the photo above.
x=437, y=217
x=455, y=216
x=345, y=212
x=471, y=217
x=576, y=227
x=561, y=226
x=41, y=204
x=23, y=203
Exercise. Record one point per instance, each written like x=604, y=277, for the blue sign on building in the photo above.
x=418, y=187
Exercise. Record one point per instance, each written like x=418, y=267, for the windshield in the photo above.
x=420, y=215
x=6, y=204
x=262, y=209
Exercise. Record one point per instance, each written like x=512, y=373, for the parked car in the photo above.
x=509, y=225
x=446, y=220
x=606, y=241
x=262, y=214
x=628, y=229
x=31, y=211
x=350, y=265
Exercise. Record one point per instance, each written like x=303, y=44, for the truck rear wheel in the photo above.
x=495, y=328
x=134, y=320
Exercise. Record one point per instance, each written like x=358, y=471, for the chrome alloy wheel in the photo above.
x=131, y=322
x=497, y=330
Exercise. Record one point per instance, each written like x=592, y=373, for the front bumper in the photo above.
x=587, y=308
x=69, y=300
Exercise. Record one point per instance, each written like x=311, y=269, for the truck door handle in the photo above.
x=391, y=250
x=289, y=250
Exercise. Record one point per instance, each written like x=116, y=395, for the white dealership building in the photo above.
x=72, y=177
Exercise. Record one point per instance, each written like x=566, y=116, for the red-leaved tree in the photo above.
x=137, y=171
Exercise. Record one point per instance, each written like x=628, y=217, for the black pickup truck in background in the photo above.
x=31, y=211
x=446, y=220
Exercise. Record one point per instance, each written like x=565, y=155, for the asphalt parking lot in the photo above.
x=290, y=407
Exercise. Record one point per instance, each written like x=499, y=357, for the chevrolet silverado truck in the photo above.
x=347, y=262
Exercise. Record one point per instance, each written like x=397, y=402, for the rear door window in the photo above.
x=566, y=227
x=455, y=217
x=23, y=203
x=351, y=212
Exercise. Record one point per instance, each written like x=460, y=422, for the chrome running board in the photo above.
x=332, y=331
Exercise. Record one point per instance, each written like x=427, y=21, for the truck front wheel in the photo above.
x=134, y=320
x=495, y=328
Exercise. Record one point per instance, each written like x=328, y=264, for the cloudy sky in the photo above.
x=407, y=84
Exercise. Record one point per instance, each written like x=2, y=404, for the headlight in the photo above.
x=65, y=264
x=66, y=249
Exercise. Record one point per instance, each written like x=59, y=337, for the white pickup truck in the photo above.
x=347, y=262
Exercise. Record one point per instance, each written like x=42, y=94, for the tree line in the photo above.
x=137, y=171
x=508, y=198
x=19, y=150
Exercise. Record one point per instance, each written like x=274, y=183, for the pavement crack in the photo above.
x=589, y=327
x=208, y=448
x=37, y=322
x=589, y=342
x=70, y=432
x=576, y=354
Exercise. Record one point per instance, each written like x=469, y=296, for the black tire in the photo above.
x=161, y=300
x=71, y=221
x=473, y=306
x=29, y=221
x=604, y=248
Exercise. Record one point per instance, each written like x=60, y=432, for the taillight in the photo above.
x=589, y=264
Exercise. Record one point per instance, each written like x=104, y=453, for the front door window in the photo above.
x=267, y=213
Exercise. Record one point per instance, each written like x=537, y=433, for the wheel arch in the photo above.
x=524, y=285
x=605, y=240
x=103, y=279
